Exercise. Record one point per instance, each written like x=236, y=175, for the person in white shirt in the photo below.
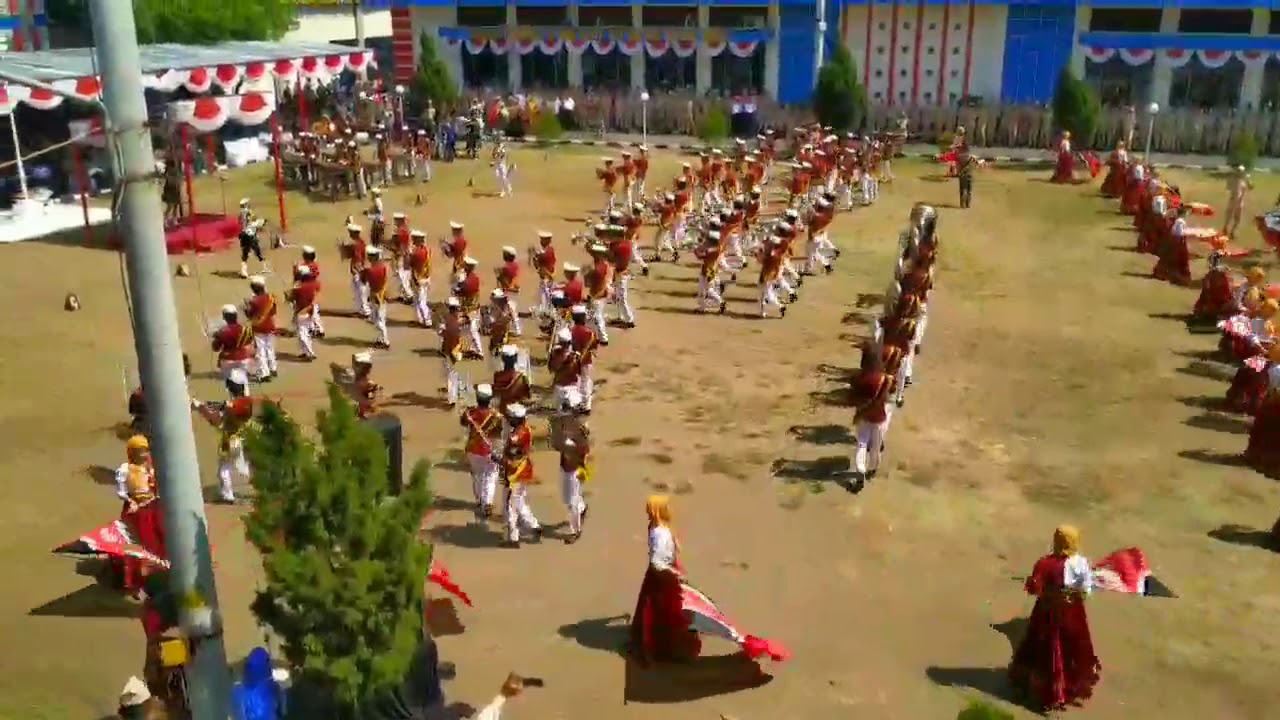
x=660, y=630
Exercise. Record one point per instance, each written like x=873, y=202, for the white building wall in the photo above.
x=930, y=53
x=987, y=69
x=329, y=24
x=429, y=20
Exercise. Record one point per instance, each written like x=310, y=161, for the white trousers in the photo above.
x=484, y=478
x=869, y=436
x=360, y=295
x=421, y=303
x=768, y=297
x=504, y=178
x=452, y=381
x=227, y=366
x=379, y=320
x=560, y=393
x=708, y=293
x=622, y=299
x=815, y=257
x=230, y=466
x=517, y=327
x=544, y=295
x=922, y=322
x=406, y=281
x=317, y=325
x=600, y=319
x=473, y=332
x=789, y=273
x=571, y=494
x=586, y=385
x=266, y=347
x=518, y=514
x=304, y=326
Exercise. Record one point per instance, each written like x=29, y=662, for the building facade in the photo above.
x=909, y=52
x=23, y=26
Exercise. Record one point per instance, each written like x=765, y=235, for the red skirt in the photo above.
x=1263, y=450
x=1130, y=202
x=1055, y=661
x=1247, y=390
x=147, y=525
x=1064, y=171
x=1238, y=347
x=1174, y=263
x=1216, y=300
x=1113, y=184
x=659, y=629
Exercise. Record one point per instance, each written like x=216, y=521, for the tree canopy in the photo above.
x=1076, y=108
x=839, y=100
x=190, y=22
x=431, y=80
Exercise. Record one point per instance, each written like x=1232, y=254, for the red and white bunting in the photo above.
x=1137, y=56
x=656, y=46
x=631, y=44
x=576, y=44
x=1214, y=58
x=714, y=44
x=603, y=45
x=1254, y=58
x=743, y=49
x=197, y=80
x=684, y=48
x=1099, y=54
x=1177, y=57
x=88, y=132
x=207, y=114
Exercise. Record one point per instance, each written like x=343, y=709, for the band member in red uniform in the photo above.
x=309, y=260
x=574, y=291
x=660, y=629
x=565, y=364
x=451, y=329
x=586, y=342
x=871, y=417
x=621, y=254
x=260, y=310
x=608, y=177
x=544, y=257
x=642, y=172
x=517, y=476
x=419, y=262
x=709, y=285
x=357, y=251
x=508, y=274
x=484, y=435
x=599, y=283
x=303, y=298
x=627, y=172
x=376, y=277
x=467, y=291
x=770, y=256
x=510, y=385
x=455, y=248
x=400, y=247
x=1055, y=662
x=234, y=343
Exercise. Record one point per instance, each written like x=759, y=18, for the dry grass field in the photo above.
x=1054, y=387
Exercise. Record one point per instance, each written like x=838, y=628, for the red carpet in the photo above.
x=201, y=233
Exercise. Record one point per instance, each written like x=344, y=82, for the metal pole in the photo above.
x=1151, y=126
x=17, y=150
x=357, y=15
x=159, y=350
x=820, y=50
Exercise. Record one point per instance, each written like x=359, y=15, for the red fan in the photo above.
x=946, y=157
x=1199, y=208
x=1269, y=227
x=706, y=618
x=1127, y=571
x=1092, y=162
x=440, y=576
x=1236, y=326
x=1257, y=363
x=113, y=540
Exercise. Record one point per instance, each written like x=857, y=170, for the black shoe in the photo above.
x=828, y=268
x=907, y=383
x=604, y=343
x=583, y=520
x=837, y=252
x=629, y=325
x=571, y=539
x=723, y=305
x=319, y=335
x=276, y=373
x=537, y=534
x=919, y=348
x=783, y=310
x=307, y=358
x=806, y=274
x=871, y=474
x=509, y=545
x=675, y=257
x=900, y=401
x=793, y=297
x=645, y=271
x=800, y=281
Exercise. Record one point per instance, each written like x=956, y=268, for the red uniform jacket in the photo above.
x=519, y=461
x=871, y=395
x=375, y=276
x=642, y=167
x=482, y=424
x=509, y=277
x=585, y=342
x=420, y=263
x=599, y=280
x=233, y=342
x=403, y=241
x=622, y=252
x=573, y=291
x=458, y=251
x=359, y=255
x=469, y=292
x=303, y=297
x=566, y=366
x=547, y=263
x=510, y=387
x=262, y=314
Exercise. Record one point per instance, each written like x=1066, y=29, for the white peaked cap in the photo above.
x=229, y=310
x=455, y=225
x=363, y=357
x=644, y=148
x=303, y=270
x=508, y=351
x=557, y=294
x=417, y=233
x=615, y=214
x=792, y=213
x=351, y=143
x=544, y=235
x=713, y=235
x=397, y=216
x=453, y=302
x=308, y=250
x=244, y=201
x=508, y=250
x=352, y=227
x=516, y=411
x=375, y=250
x=597, y=247
x=685, y=165
x=606, y=159
x=823, y=203
x=570, y=267
x=484, y=390
x=497, y=294
x=669, y=197
x=578, y=310
x=258, y=281
x=470, y=261
x=376, y=191
x=599, y=227
x=238, y=377
x=564, y=336
x=784, y=227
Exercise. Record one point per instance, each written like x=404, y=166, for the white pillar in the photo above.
x=575, y=59
x=513, y=57
x=1162, y=73
x=638, y=60
x=1084, y=14
x=702, y=61
x=771, y=57
x=1251, y=86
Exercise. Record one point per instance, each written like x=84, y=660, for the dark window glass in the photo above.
x=1230, y=22
x=1124, y=20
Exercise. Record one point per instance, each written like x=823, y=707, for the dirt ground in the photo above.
x=1054, y=387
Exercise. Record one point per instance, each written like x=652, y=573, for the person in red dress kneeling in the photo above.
x=1217, y=299
x=1055, y=662
x=660, y=630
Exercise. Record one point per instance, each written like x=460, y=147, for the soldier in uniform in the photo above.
x=357, y=252
x=419, y=263
x=484, y=435
x=451, y=348
x=401, y=244
x=467, y=290
x=250, y=244
x=544, y=258
x=517, y=476
x=260, y=309
x=966, y=166
x=455, y=248
x=234, y=344
x=230, y=418
x=376, y=278
x=511, y=384
x=499, y=324
x=571, y=438
x=871, y=417
x=303, y=298
x=508, y=277
x=565, y=364
x=709, y=285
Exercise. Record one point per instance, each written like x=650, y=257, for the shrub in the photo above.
x=1076, y=108
x=431, y=81
x=343, y=567
x=983, y=710
x=547, y=126
x=714, y=125
x=1244, y=151
x=839, y=100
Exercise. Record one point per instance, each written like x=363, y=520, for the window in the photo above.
x=484, y=69
x=1197, y=86
x=739, y=17
x=670, y=16
x=604, y=16
x=539, y=16
x=1230, y=22
x=481, y=16
x=733, y=75
x=669, y=72
x=1124, y=20
x=539, y=70
x=1118, y=83
x=1273, y=27
x=611, y=71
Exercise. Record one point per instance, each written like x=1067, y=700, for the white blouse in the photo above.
x=1139, y=173
x=1077, y=575
x=1179, y=227
x=662, y=549
x=492, y=711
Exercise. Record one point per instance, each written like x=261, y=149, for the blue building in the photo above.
x=910, y=52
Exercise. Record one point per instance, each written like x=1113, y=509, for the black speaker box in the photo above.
x=388, y=426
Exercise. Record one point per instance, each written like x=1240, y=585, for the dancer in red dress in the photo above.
x=1113, y=184
x=1217, y=299
x=1055, y=662
x=660, y=631
x=1263, y=450
x=1065, y=169
x=141, y=511
x=1251, y=383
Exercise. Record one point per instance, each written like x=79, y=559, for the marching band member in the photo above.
x=819, y=246
x=249, y=241
x=377, y=217
x=509, y=283
x=362, y=390
x=260, y=309
x=709, y=286
x=484, y=431
x=422, y=153
x=230, y=419
x=622, y=253
x=510, y=384
x=451, y=348
x=517, y=475
x=627, y=173
x=419, y=263
x=599, y=282
x=871, y=416
x=375, y=278
x=608, y=177
x=467, y=291
x=234, y=344
x=770, y=255
x=309, y=260
x=585, y=343
x=358, y=257
x=455, y=248
x=642, y=171
x=401, y=245
x=502, y=169
x=565, y=365
x=571, y=438
x=560, y=320
x=684, y=205
x=544, y=258
x=303, y=297
x=787, y=231
x=574, y=291
x=382, y=150
x=499, y=323
x=900, y=333
x=664, y=239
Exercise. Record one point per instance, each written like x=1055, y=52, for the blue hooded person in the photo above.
x=257, y=696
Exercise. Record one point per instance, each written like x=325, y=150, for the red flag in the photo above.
x=1127, y=571
x=706, y=618
x=113, y=540
x=440, y=576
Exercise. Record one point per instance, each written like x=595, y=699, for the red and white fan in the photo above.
x=1127, y=571
x=706, y=618
x=113, y=540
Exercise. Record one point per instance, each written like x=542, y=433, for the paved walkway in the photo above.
x=1007, y=155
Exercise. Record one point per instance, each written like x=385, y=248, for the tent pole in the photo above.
x=184, y=136
x=82, y=177
x=17, y=152
x=275, y=138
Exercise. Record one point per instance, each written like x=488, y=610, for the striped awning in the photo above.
x=1180, y=41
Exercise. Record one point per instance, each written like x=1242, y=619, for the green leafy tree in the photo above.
x=191, y=22
x=839, y=100
x=1243, y=151
x=714, y=125
x=343, y=566
x=431, y=81
x=1076, y=108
